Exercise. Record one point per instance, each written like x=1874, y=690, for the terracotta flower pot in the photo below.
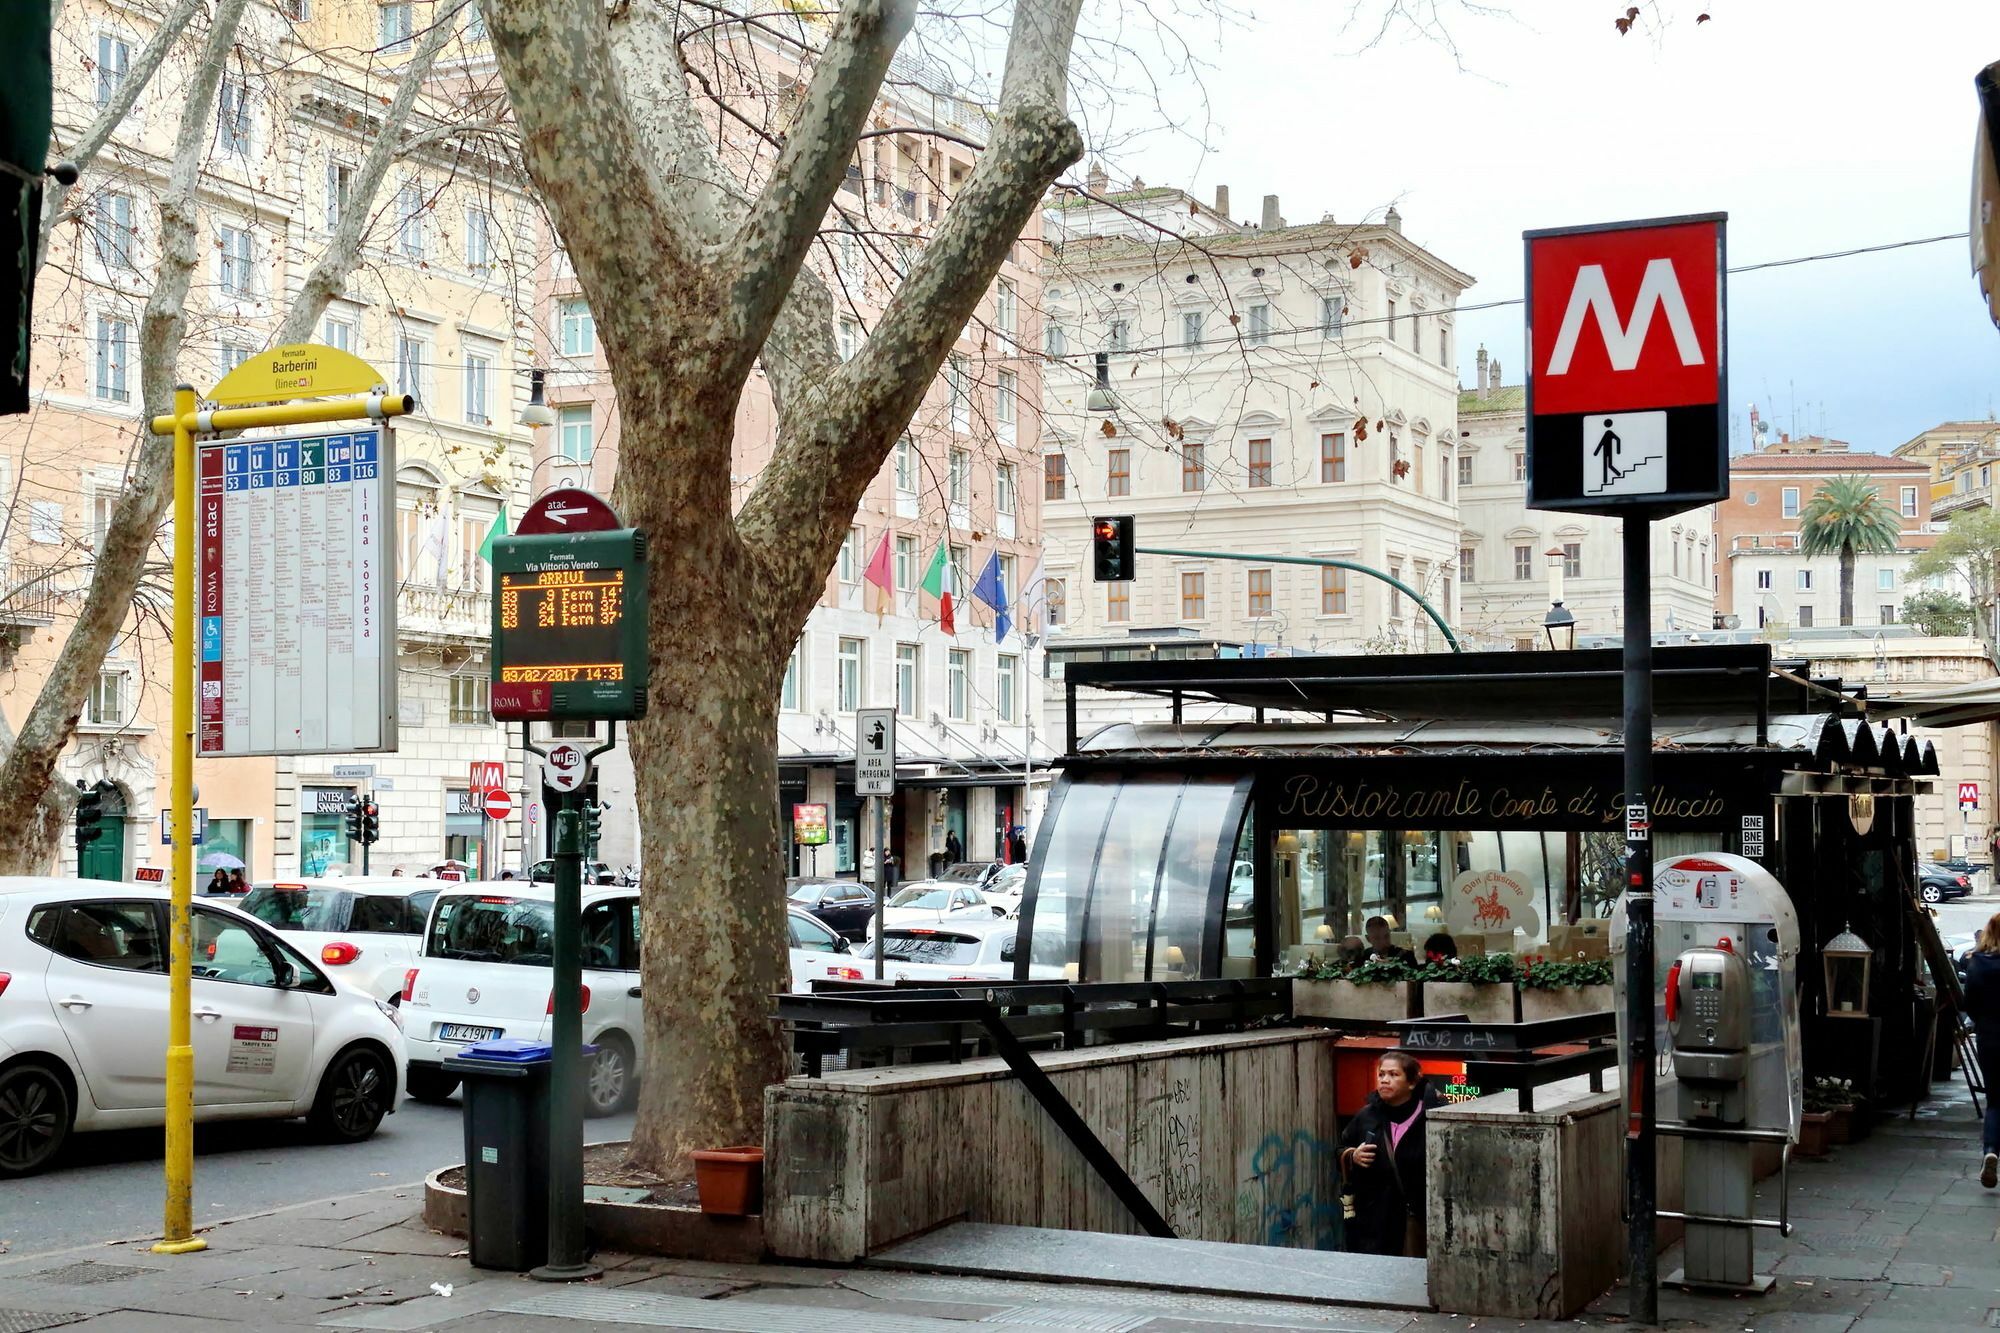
x=730, y=1180
x=1815, y=1131
x=1840, y=1126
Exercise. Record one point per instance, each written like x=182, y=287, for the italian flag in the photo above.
x=934, y=584
x=499, y=529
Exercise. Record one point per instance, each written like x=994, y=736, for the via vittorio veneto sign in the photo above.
x=296, y=594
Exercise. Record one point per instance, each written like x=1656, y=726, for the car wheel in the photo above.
x=611, y=1086
x=1932, y=893
x=35, y=1117
x=353, y=1096
x=431, y=1085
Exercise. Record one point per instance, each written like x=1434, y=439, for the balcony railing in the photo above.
x=1977, y=497
x=458, y=613
x=29, y=593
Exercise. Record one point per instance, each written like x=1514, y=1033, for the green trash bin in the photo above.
x=506, y=1100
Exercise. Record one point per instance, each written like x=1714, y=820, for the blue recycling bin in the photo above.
x=506, y=1101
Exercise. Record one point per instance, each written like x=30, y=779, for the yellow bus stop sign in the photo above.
x=300, y=370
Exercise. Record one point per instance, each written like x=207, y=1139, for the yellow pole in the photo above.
x=179, y=1237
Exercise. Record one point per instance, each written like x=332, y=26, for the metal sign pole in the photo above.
x=881, y=874
x=566, y=1242
x=1640, y=1081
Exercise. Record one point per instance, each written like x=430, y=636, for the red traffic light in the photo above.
x=1107, y=529
x=370, y=810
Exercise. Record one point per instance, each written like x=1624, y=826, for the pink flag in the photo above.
x=877, y=572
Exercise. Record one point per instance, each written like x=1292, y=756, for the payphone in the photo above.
x=1708, y=1019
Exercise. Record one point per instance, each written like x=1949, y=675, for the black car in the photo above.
x=842, y=904
x=1935, y=884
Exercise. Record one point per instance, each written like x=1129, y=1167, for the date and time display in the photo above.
x=563, y=626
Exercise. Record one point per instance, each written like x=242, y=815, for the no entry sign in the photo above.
x=497, y=804
x=1627, y=375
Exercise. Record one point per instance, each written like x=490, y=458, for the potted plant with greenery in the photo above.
x=1559, y=987
x=1835, y=1096
x=1378, y=990
x=1816, y=1121
x=1481, y=987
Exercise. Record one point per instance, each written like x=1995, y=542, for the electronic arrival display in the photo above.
x=569, y=625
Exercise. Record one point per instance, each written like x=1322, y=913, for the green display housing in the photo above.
x=569, y=626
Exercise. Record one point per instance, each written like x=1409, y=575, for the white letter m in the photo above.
x=1623, y=342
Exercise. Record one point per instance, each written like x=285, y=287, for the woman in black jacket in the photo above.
x=1982, y=1006
x=1382, y=1161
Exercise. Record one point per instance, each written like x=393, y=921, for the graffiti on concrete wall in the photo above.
x=1290, y=1195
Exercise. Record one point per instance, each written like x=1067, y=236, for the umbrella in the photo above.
x=221, y=861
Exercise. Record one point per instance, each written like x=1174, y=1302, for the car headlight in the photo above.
x=392, y=1013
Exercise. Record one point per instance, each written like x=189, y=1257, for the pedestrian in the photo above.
x=1982, y=1006
x=954, y=850
x=892, y=870
x=506, y=874
x=1382, y=1161
x=397, y=873
x=218, y=883
x=238, y=884
x=1017, y=845
x=1379, y=943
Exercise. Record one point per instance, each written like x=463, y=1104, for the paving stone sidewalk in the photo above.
x=1890, y=1234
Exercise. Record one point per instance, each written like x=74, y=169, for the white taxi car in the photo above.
x=366, y=930
x=83, y=1022
x=484, y=972
x=965, y=950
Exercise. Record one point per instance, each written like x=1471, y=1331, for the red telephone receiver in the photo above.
x=1673, y=990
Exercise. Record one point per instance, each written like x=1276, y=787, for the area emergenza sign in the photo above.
x=296, y=588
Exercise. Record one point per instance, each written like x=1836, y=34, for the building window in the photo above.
x=396, y=25
x=1006, y=684
x=1004, y=391
x=958, y=684
x=1055, y=477
x=1444, y=472
x=469, y=706
x=1117, y=602
x=45, y=522
x=1572, y=560
x=478, y=376
x=1257, y=584
x=232, y=119
x=1789, y=499
x=114, y=62
x=1260, y=463
x=1763, y=580
x=1194, y=596
x=1191, y=328
x=1468, y=565
x=578, y=327
x=1330, y=311
x=1194, y=467
x=788, y=692
x=961, y=576
x=1054, y=342
x=103, y=504
x=1524, y=562
x=577, y=441
x=473, y=525
x=1805, y=617
x=116, y=234
x=1333, y=457
x=1117, y=471
x=1332, y=591
x=1417, y=332
x=1465, y=469
x=906, y=562
x=1392, y=321
x=1004, y=489
x=1886, y=613
x=106, y=705
x=235, y=261
x=478, y=240
x=1003, y=306
x=850, y=674
x=1260, y=324
x=847, y=339
x=961, y=394
x=1909, y=502
x=959, y=475
x=1416, y=463
x=410, y=221
x=1520, y=467
x=1444, y=346
x=909, y=679
x=339, y=183
x=1120, y=336
x=113, y=354
x=850, y=557
x=1056, y=598
x=1885, y=580
x=412, y=356
x=1805, y=580
x=906, y=465
x=1395, y=593
x=339, y=333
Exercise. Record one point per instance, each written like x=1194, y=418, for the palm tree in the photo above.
x=1847, y=516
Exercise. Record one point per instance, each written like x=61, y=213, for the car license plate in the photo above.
x=464, y=1032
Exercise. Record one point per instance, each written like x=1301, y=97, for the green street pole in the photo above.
x=566, y=1239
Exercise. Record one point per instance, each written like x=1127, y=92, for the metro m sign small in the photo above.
x=1627, y=381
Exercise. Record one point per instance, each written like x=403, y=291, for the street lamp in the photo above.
x=537, y=412
x=1101, y=399
x=1559, y=624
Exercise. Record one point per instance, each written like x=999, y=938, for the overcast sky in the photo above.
x=1815, y=127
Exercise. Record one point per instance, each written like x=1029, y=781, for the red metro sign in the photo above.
x=1627, y=366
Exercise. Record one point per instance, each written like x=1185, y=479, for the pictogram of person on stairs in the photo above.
x=1607, y=449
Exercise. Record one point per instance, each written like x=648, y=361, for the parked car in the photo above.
x=1935, y=885
x=594, y=872
x=971, y=950
x=1006, y=889
x=369, y=929
x=931, y=901
x=484, y=972
x=976, y=873
x=843, y=904
x=83, y=1022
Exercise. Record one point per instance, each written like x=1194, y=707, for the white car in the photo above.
x=366, y=930
x=483, y=971
x=936, y=901
x=83, y=1022
x=1006, y=889
x=969, y=950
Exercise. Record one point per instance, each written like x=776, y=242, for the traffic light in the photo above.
x=1111, y=548
x=593, y=827
x=354, y=820
x=371, y=821
x=89, y=816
